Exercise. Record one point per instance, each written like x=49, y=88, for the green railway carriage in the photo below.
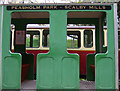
x=58, y=69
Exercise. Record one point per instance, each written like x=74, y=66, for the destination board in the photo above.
x=20, y=37
x=60, y=7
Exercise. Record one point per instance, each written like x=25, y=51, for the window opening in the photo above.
x=32, y=39
x=88, y=38
x=73, y=39
x=45, y=39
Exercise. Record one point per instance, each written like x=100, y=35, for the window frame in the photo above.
x=78, y=39
x=82, y=48
x=33, y=38
x=35, y=48
x=47, y=37
x=105, y=38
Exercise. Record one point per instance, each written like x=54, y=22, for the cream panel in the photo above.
x=82, y=48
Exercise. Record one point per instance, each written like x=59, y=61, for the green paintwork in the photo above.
x=11, y=62
x=90, y=61
x=58, y=69
x=105, y=62
x=21, y=48
x=97, y=47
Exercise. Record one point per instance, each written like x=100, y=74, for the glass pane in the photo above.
x=27, y=40
x=32, y=39
x=45, y=40
x=88, y=38
x=48, y=40
x=36, y=41
x=73, y=39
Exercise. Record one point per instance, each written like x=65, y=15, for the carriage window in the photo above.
x=36, y=41
x=32, y=39
x=45, y=39
x=88, y=38
x=73, y=39
x=119, y=39
x=27, y=40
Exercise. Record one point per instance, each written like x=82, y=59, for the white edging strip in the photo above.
x=116, y=48
x=1, y=48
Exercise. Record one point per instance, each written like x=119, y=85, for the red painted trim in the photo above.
x=82, y=57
